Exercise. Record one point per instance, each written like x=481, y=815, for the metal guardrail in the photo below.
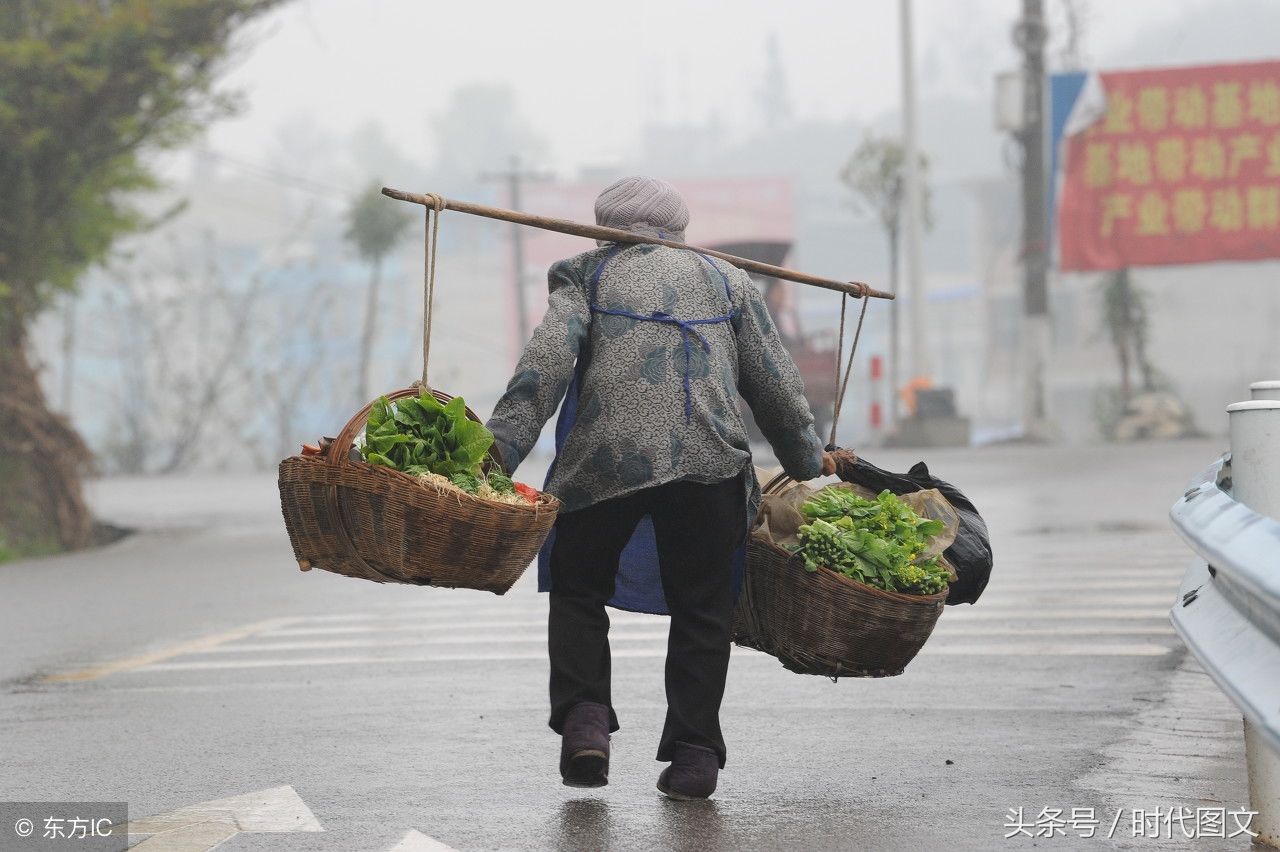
x=1229, y=610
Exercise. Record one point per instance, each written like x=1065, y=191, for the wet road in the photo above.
x=199, y=664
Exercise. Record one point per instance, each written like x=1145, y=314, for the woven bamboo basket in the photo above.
x=379, y=524
x=824, y=623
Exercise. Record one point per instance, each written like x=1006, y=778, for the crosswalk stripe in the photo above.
x=1040, y=614
x=1050, y=613
x=962, y=629
x=1005, y=602
x=1075, y=606
x=1025, y=650
x=286, y=662
x=660, y=636
x=1031, y=585
x=439, y=626
x=1064, y=610
x=489, y=638
x=146, y=659
x=935, y=649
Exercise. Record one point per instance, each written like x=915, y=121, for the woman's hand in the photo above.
x=832, y=459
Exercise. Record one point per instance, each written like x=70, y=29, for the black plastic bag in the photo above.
x=970, y=554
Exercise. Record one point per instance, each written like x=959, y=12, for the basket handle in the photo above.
x=844, y=465
x=341, y=445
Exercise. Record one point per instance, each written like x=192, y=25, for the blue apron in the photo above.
x=638, y=584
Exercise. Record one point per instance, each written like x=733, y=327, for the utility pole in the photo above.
x=914, y=197
x=1029, y=36
x=514, y=177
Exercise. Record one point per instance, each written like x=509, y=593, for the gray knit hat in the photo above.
x=643, y=205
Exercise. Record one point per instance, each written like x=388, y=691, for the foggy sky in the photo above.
x=589, y=74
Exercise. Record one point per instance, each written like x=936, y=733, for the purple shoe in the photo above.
x=584, y=747
x=692, y=773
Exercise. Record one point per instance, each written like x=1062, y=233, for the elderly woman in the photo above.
x=649, y=347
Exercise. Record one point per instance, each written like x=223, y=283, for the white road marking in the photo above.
x=140, y=660
x=1071, y=607
x=426, y=610
x=426, y=626
x=392, y=627
x=287, y=662
x=1052, y=615
x=1030, y=650
x=416, y=841
x=1033, y=613
x=944, y=627
x=942, y=647
x=200, y=827
x=960, y=629
x=489, y=638
x=196, y=837
x=1107, y=598
x=1031, y=583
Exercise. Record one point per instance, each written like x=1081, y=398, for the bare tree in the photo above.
x=374, y=224
x=287, y=369
x=875, y=176
x=188, y=334
x=1075, y=14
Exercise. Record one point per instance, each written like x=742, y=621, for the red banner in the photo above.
x=1182, y=167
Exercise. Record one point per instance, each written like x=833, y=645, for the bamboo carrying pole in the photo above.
x=597, y=232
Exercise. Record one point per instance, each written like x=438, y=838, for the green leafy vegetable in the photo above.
x=878, y=542
x=500, y=482
x=466, y=481
x=420, y=435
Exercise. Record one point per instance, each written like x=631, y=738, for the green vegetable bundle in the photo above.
x=424, y=437
x=878, y=542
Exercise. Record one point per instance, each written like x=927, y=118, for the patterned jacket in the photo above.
x=640, y=422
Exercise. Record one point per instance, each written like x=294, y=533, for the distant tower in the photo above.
x=775, y=97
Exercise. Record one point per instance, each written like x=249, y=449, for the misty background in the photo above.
x=231, y=332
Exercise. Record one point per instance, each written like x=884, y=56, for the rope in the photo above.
x=835, y=406
x=436, y=204
x=844, y=386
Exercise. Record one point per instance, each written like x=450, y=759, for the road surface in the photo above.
x=193, y=663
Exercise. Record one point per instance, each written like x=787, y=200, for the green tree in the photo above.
x=1125, y=320
x=374, y=224
x=876, y=177
x=88, y=89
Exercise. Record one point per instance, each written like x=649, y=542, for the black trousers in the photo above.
x=698, y=527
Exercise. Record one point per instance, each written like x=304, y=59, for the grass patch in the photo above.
x=28, y=550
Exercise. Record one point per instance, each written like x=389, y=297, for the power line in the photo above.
x=292, y=181
x=513, y=177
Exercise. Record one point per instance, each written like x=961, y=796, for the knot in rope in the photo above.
x=436, y=204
